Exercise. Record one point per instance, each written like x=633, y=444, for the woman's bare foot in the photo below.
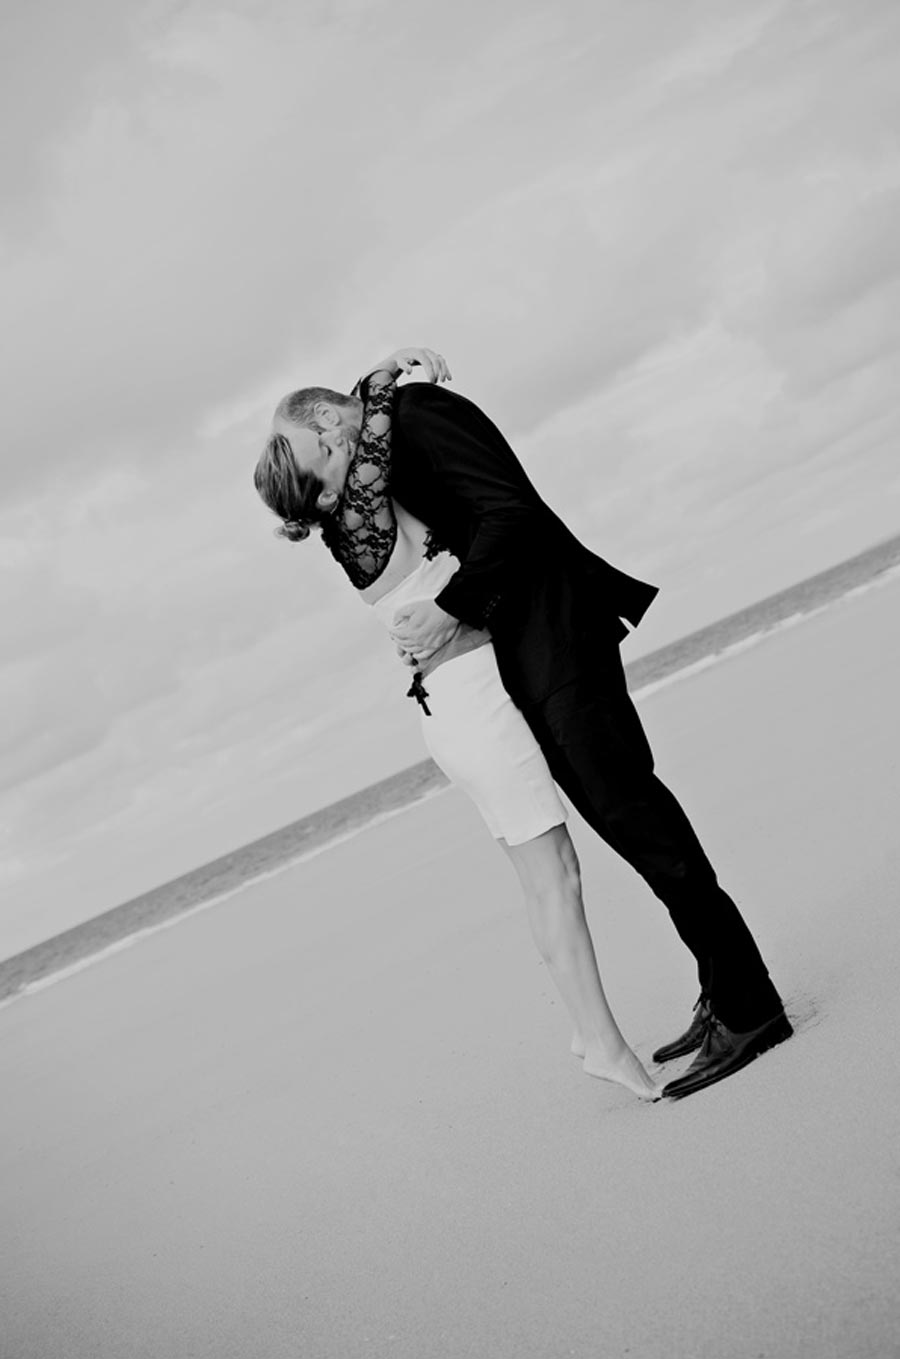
x=578, y=1047
x=622, y=1068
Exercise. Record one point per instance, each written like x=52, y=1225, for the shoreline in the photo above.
x=50, y=978
x=36, y=968
x=110, y=931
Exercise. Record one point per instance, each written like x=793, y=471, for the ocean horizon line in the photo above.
x=209, y=884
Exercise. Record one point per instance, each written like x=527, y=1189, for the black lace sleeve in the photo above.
x=361, y=533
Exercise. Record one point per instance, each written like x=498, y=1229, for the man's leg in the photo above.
x=599, y=754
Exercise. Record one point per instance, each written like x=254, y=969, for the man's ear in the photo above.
x=326, y=414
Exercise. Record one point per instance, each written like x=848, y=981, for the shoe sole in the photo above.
x=766, y=1043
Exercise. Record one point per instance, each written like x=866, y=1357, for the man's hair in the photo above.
x=297, y=407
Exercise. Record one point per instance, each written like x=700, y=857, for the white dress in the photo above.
x=475, y=733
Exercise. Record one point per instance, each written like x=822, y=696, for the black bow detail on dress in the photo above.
x=418, y=691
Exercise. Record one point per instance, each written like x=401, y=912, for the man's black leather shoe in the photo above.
x=692, y=1037
x=725, y=1052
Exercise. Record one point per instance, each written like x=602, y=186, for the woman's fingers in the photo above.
x=433, y=364
x=443, y=371
x=438, y=370
x=427, y=361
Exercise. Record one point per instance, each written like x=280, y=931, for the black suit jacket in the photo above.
x=551, y=604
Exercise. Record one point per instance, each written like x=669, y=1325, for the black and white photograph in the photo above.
x=451, y=577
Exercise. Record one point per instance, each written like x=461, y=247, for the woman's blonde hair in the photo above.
x=288, y=490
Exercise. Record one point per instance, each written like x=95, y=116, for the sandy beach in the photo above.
x=335, y=1115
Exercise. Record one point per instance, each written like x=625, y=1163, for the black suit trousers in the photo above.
x=598, y=753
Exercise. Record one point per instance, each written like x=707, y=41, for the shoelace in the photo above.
x=712, y=1029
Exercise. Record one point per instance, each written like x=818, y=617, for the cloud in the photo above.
x=72, y=48
x=33, y=699
x=660, y=251
x=223, y=204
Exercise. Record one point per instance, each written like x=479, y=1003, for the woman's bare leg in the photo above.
x=548, y=870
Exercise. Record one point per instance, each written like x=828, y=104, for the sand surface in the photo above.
x=335, y=1116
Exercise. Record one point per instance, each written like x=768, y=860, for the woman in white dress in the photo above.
x=472, y=729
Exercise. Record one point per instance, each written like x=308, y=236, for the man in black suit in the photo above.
x=555, y=610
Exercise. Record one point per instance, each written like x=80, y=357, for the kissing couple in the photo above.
x=510, y=628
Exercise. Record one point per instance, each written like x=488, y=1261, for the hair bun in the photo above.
x=295, y=530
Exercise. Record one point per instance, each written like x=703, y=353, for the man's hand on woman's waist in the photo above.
x=422, y=628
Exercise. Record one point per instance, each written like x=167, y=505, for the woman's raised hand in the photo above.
x=433, y=365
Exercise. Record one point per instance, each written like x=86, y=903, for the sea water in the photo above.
x=202, y=887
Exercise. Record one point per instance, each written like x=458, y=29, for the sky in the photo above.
x=659, y=244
